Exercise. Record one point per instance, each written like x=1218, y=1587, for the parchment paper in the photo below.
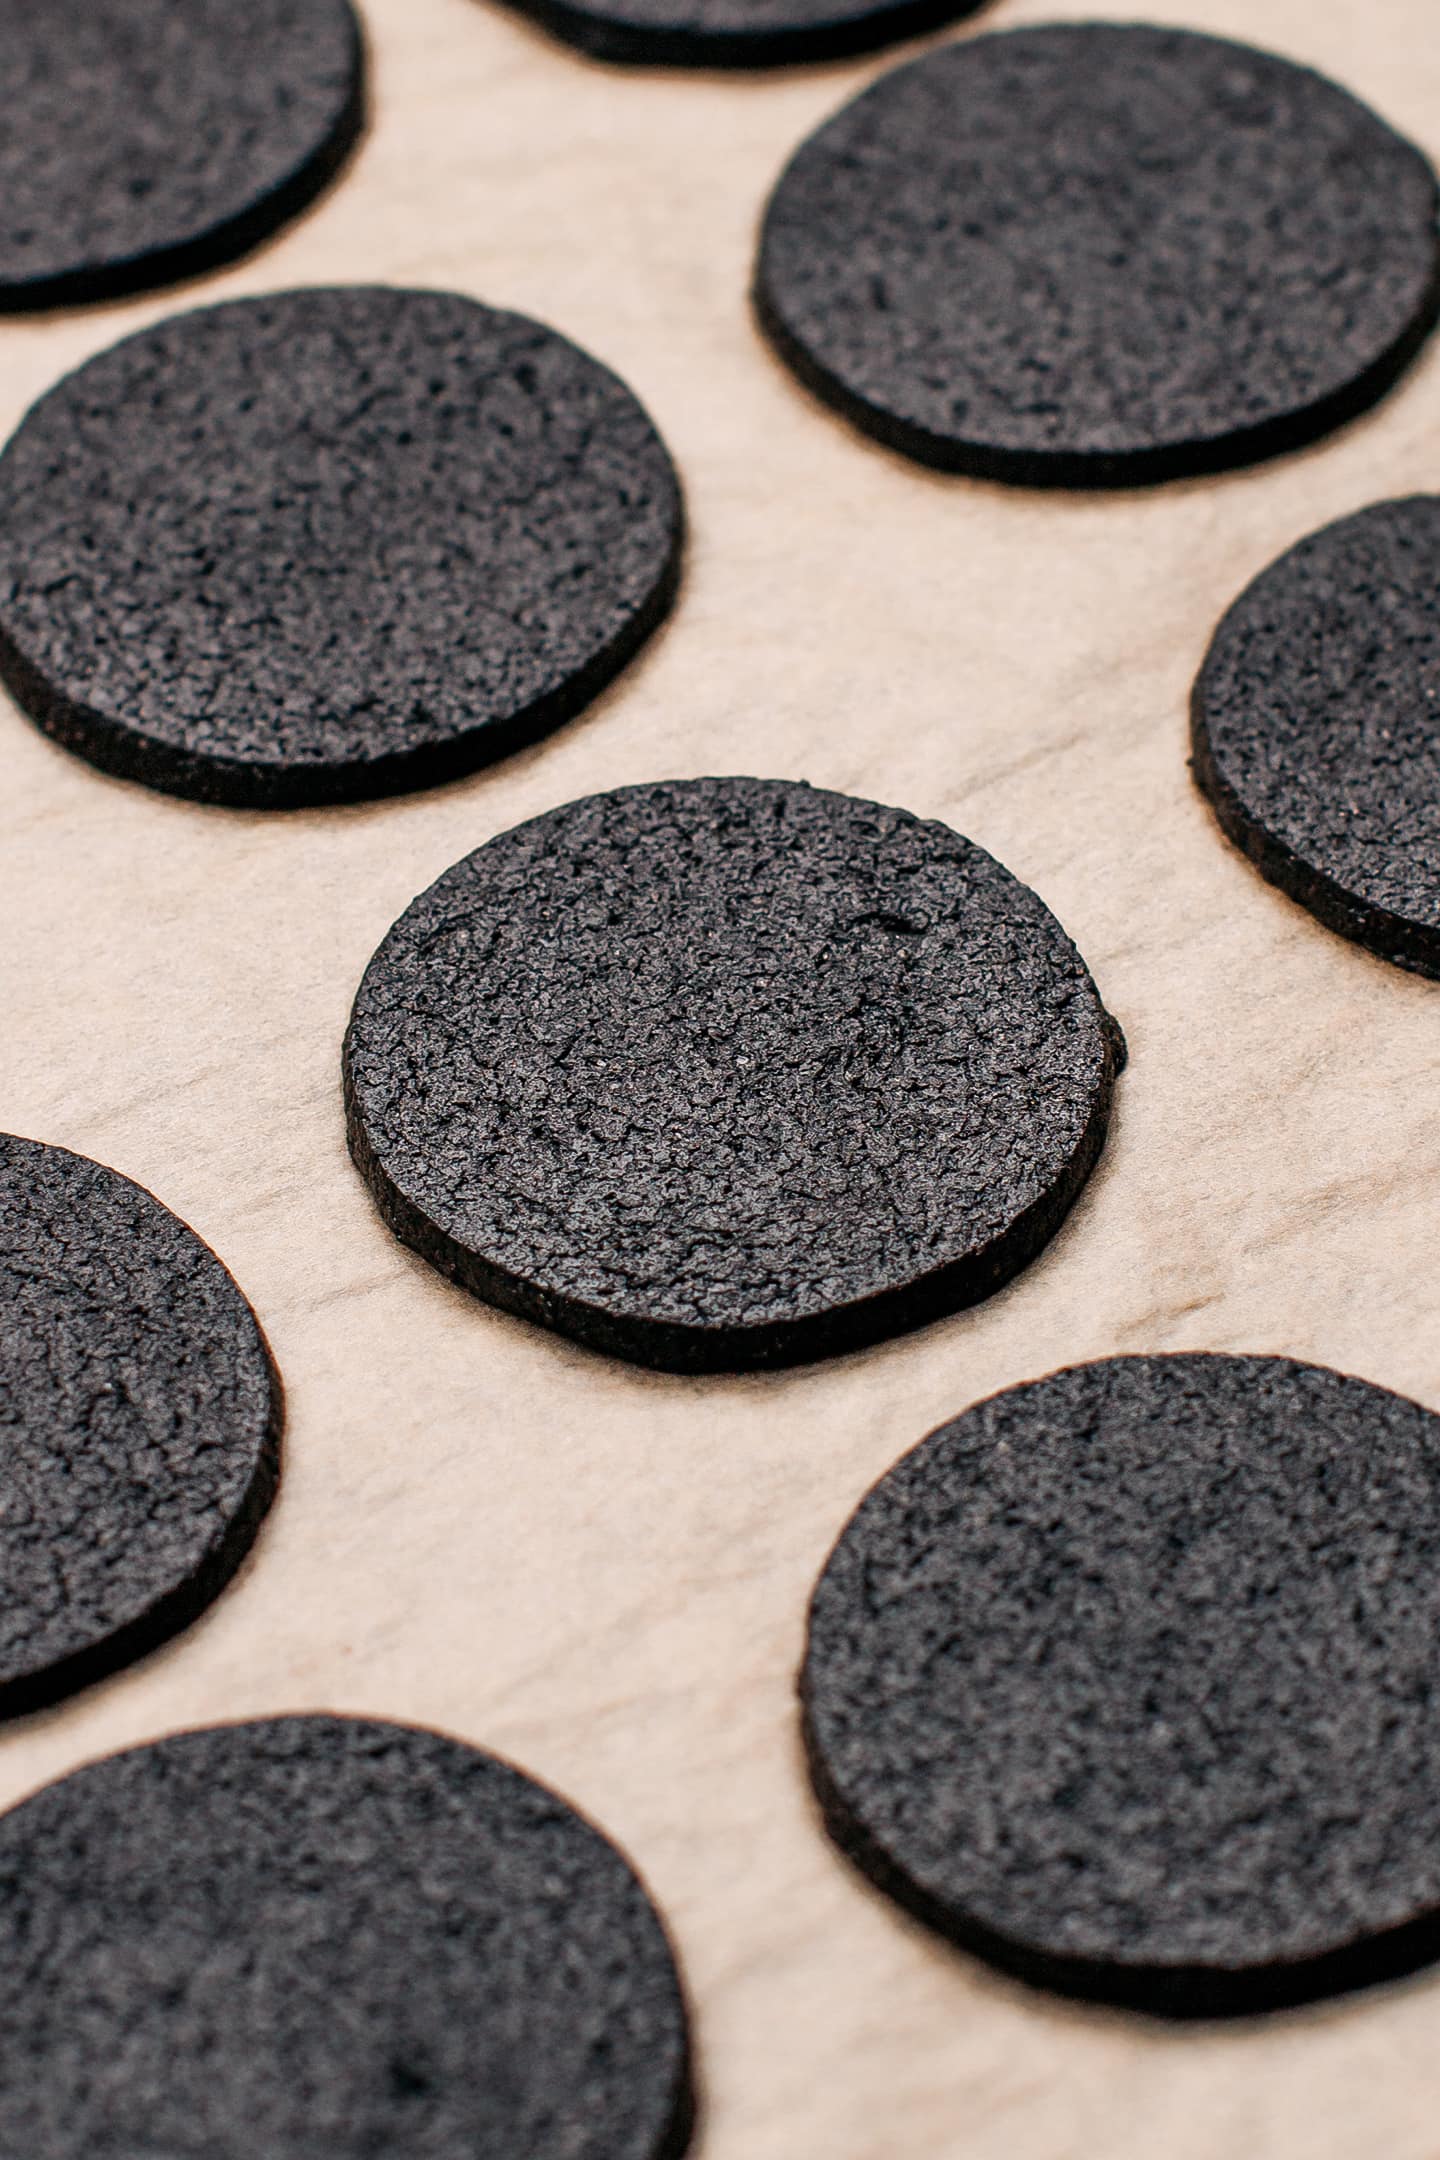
x=604, y=1573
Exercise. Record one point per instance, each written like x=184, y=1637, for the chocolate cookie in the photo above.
x=328, y=544
x=146, y=141
x=139, y=1424
x=737, y=33
x=321, y=1935
x=713, y=1074
x=1314, y=726
x=1129, y=1680
x=1097, y=254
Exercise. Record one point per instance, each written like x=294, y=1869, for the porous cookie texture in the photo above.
x=325, y=1935
x=139, y=1424
x=737, y=33
x=328, y=544
x=722, y=1073
x=1316, y=727
x=1129, y=1680
x=146, y=141
x=1098, y=254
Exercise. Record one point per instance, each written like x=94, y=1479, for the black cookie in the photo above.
x=723, y=1073
x=146, y=141
x=139, y=1424
x=322, y=1935
x=1314, y=727
x=1098, y=254
x=737, y=33
x=1129, y=1680
x=328, y=544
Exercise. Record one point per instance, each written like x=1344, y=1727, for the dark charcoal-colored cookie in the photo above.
x=1316, y=727
x=1129, y=1680
x=737, y=33
x=722, y=1073
x=318, y=1935
x=139, y=1424
x=145, y=141
x=1098, y=254
x=328, y=544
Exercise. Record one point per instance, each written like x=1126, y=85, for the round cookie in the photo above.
x=328, y=544
x=1129, y=1680
x=737, y=33
x=324, y=1935
x=1313, y=725
x=1099, y=254
x=146, y=141
x=724, y=1073
x=139, y=1424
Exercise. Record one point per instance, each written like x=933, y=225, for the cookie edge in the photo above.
x=684, y=2103
x=229, y=240
x=1179, y=1993
x=1156, y=465
x=682, y=1348
x=620, y=41
x=1387, y=936
x=123, y=752
x=178, y=1608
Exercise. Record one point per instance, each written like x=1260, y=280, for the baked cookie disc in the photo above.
x=145, y=141
x=328, y=544
x=139, y=1424
x=328, y=1935
x=1316, y=727
x=1129, y=1680
x=722, y=1073
x=737, y=33
x=1098, y=254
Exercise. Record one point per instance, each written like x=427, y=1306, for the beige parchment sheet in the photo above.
x=603, y=1573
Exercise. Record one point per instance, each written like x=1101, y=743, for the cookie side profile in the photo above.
x=206, y=128
x=728, y=1073
x=328, y=545
x=1124, y=1681
x=1313, y=728
x=140, y=1417
x=329, y=1934
x=1100, y=255
x=737, y=33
